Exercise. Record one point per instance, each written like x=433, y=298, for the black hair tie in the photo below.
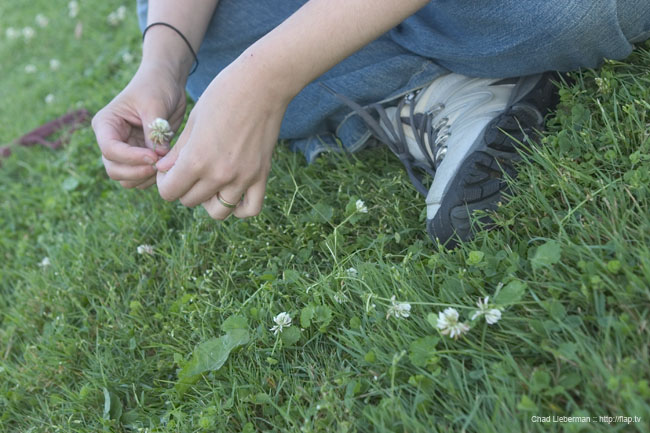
x=196, y=59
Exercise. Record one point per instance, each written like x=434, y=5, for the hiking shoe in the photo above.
x=464, y=133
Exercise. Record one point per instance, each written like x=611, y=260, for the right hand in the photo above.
x=122, y=130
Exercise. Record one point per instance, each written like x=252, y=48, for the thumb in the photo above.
x=167, y=162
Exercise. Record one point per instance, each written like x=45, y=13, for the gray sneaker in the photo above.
x=464, y=133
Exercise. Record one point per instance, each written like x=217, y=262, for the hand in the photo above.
x=226, y=146
x=122, y=128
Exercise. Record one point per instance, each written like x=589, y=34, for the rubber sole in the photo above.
x=480, y=182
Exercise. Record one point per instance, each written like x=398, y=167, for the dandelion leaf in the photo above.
x=475, y=257
x=526, y=404
x=112, y=405
x=511, y=293
x=432, y=318
x=306, y=315
x=210, y=355
x=540, y=381
x=70, y=184
x=423, y=351
x=233, y=323
x=323, y=314
x=546, y=255
x=320, y=213
x=290, y=335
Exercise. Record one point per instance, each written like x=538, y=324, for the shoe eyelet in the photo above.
x=441, y=123
x=441, y=139
x=440, y=154
x=435, y=110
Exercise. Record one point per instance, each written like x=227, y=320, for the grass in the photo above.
x=98, y=339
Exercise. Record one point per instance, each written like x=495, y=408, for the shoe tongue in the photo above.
x=418, y=120
x=410, y=128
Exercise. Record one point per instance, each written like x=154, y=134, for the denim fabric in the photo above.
x=488, y=38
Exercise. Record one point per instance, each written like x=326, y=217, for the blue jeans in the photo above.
x=486, y=38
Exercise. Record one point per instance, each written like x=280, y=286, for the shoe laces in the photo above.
x=430, y=137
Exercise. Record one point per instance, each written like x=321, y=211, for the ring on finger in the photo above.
x=226, y=203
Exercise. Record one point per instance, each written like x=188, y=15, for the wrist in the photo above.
x=164, y=48
x=268, y=71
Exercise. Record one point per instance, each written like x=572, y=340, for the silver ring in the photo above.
x=225, y=203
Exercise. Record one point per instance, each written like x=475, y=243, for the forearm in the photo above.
x=319, y=35
x=162, y=46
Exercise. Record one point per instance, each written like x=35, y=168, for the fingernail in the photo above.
x=148, y=160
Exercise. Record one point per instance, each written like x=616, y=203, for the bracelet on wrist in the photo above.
x=160, y=23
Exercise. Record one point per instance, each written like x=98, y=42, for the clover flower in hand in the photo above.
x=160, y=131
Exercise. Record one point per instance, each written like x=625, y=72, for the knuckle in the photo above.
x=164, y=194
x=214, y=214
x=187, y=202
x=249, y=178
x=256, y=209
x=250, y=211
x=96, y=119
x=223, y=175
x=112, y=174
x=194, y=160
x=146, y=172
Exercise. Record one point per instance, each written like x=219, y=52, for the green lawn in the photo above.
x=104, y=338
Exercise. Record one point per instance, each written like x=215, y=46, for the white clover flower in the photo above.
x=55, y=64
x=73, y=9
x=361, y=206
x=401, y=310
x=127, y=57
x=12, y=33
x=121, y=13
x=30, y=69
x=113, y=19
x=28, y=33
x=42, y=20
x=145, y=249
x=282, y=320
x=49, y=98
x=492, y=315
x=45, y=262
x=352, y=272
x=340, y=297
x=160, y=131
x=448, y=323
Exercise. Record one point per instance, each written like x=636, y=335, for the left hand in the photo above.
x=226, y=146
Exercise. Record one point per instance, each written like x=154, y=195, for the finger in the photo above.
x=147, y=183
x=201, y=192
x=251, y=205
x=216, y=209
x=165, y=163
x=134, y=183
x=182, y=176
x=117, y=171
x=111, y=134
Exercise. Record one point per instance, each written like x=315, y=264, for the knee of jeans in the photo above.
x=583, y=34
x=634, y=19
